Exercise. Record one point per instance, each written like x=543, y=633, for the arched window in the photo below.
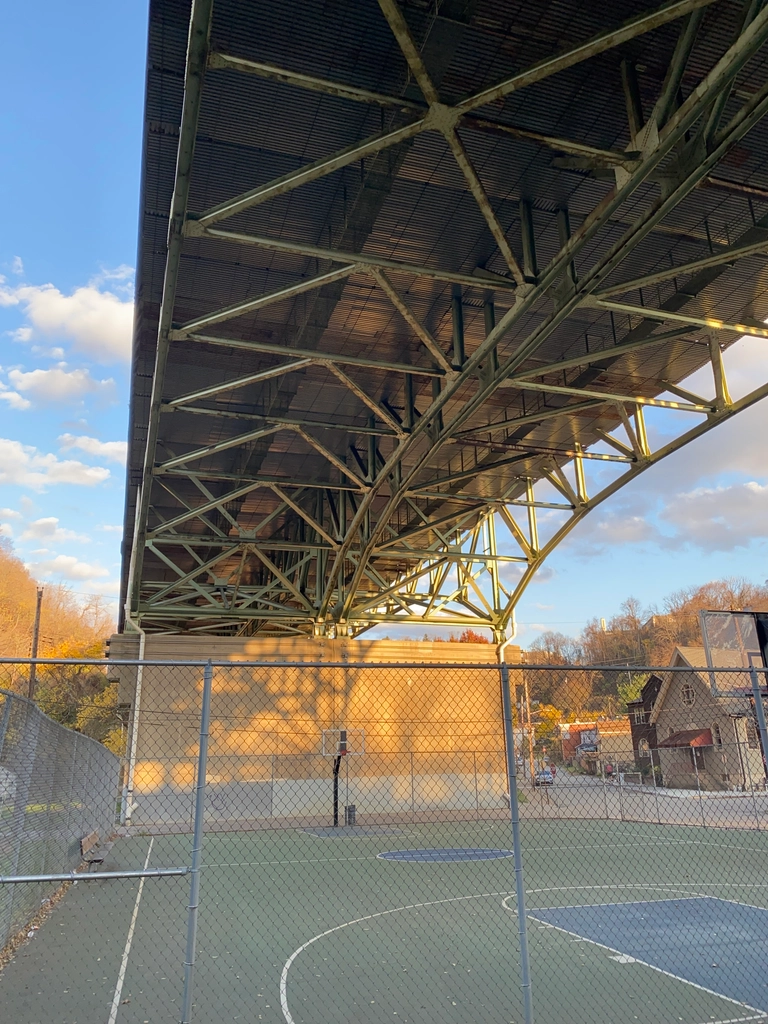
x=687, y=695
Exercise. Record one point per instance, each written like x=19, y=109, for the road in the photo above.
x=587, y=796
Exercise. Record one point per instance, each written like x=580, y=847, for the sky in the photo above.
x=69, y=175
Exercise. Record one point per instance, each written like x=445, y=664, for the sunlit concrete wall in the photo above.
x=417, y=726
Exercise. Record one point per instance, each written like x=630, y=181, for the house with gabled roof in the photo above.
x=704, y=739
x=644, y=741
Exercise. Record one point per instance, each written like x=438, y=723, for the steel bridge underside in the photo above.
x=418, y=285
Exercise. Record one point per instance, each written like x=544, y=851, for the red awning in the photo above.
x=689, y=738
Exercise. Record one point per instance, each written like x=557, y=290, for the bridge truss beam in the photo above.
x=393, y=526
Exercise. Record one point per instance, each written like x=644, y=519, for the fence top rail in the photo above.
x=271, y=663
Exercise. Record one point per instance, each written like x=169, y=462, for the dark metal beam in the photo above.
x=197, y=55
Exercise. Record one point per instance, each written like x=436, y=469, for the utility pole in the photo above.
x=531, y=739
x=35, y=640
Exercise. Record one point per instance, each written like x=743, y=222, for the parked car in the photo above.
x=543, y=777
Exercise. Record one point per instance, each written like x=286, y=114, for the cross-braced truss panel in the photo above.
x=412, y=282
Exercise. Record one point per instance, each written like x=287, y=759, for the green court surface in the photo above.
x=309, y=927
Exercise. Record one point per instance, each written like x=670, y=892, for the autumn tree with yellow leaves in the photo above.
x=78, y=696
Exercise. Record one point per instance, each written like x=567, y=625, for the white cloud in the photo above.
x=68, y=567
x=121, y=278
x=9, y=513
x=511, y=572
x=58, y=384
x=115, y=451
x=97, y=323
x=48, y=529
x=719, y=518
x=25, y=466
x=17, y=266
x=14, y=399
x=109, y=588
x=6, y=530
x=623, y=529
x=708, y=518
x=111, y=528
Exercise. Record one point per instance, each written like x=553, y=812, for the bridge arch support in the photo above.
x=407, y=331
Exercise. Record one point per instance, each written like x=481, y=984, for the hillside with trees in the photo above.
x=68, y=627
x=633, y=637
x=77, y=696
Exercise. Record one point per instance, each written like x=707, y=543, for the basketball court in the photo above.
x=627, y=922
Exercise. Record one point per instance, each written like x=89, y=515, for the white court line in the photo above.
x=638, y=903
x=277, y=863
x=394, y=830
x=738, y=903
x=633, y=846
x=359, y=920
x=628, y=885
x=526, y=850
x=736, y=1020
x=289, y=1019
x=676, y=977
x=375, y=856
x=128, y=941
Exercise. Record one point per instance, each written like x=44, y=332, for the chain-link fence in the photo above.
x=56, y=788
x=431, y=842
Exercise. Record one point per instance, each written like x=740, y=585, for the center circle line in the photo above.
x=289, y=1019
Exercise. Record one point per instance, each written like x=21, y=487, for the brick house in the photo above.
x=614, y=743
x=576, y=735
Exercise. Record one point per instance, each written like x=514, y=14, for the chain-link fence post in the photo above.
x=514, y=813
x=748, y=780
x=126, y=810
x=413, y=787
x=760, y=715
x=197, y=847
x=477, y=794
x=745, y=771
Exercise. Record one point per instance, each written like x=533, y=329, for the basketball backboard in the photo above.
x=343, y=742
x=733, y=640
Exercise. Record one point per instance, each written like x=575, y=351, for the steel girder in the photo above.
x=407, y=536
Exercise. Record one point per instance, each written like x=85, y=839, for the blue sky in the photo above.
x=69, y=174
